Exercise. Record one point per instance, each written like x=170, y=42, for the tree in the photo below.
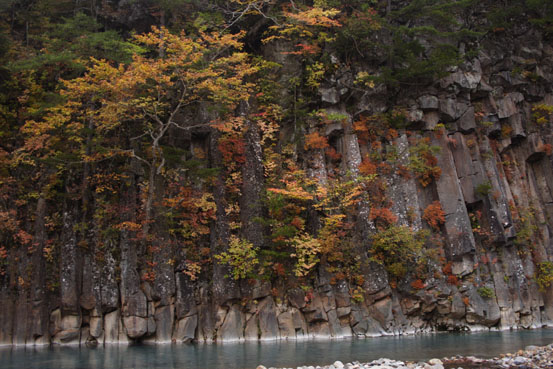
x=146, y=98
x=156, y=91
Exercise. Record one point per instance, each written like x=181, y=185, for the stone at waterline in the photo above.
x=232, y=327
x=135, y=326
x=96, y=326
x=186, y=329
x=111, y=327
x=164, y=323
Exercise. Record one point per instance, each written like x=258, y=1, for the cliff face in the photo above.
x=486, y=214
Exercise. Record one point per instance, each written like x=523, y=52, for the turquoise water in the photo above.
x=279, y=354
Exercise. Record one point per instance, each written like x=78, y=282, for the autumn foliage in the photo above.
x=190, y=149
x=434, y=215
x=418, y=284
x=315, y=141
x=382, y=216
x=367, y=167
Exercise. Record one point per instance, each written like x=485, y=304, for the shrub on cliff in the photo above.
x=398, y=248
x=544, y=275
x=241, y=256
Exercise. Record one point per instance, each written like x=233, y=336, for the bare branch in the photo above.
x=266, y=16
x=133, y=154
x=140, y=136
x=140, y=159
x=154, y=117
x=160, y=166
x=256, y=6
x=190, y=127
x=242, y=13
x=151, y=134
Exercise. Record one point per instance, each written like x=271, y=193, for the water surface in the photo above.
x=279, y=354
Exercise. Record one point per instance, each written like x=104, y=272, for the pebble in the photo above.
x=519, y=360
x=532, y=357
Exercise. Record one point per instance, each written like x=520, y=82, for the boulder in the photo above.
x=314, y=311
x=431, y=120
x=185, y=330
x=466, y=122
x=232, y=328
x=286, y=325
x=452, y=109
x=428, y=102
x=506, y=107
x=96, y=326
x=111, y=327
x=362, y=324
x=466, y=80
x=382, y=311
x=261, y=289
x=296, y=298
x=135, y=326
x=69, y=336
x=482, y=310
x=336, y=328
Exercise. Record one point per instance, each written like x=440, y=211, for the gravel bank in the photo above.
x=532, y=357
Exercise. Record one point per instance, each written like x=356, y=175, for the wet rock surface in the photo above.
x=532, y=357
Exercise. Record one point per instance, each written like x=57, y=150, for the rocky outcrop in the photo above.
x=495, y=189
x=531, y=357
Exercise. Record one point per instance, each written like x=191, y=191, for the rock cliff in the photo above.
x=466, y=159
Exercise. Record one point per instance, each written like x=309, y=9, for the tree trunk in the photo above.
x=151, y=194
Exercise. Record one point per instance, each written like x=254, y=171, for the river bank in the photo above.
x=278, y=354
x=532, y=357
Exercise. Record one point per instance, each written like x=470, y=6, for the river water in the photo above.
x=279, y=353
